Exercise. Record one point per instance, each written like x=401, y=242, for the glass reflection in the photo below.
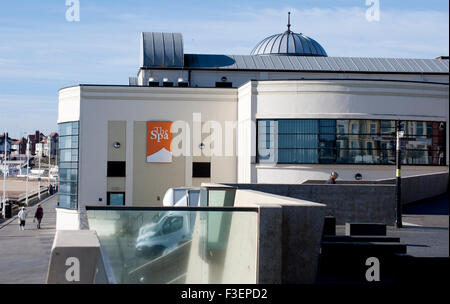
x=169, y=245
x=348, y=141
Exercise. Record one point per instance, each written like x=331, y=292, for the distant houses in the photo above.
x=8, y=144
x=39, y=145
x=48, y=143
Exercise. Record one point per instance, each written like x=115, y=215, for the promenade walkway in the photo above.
x=24, y=255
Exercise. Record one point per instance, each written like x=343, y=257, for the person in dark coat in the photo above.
x=39, y=215
x=332, y=179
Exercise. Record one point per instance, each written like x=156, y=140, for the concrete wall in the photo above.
x=414, y=188
x=348, y=203
x=74, y=257
x=299, y=232
x=419, y=187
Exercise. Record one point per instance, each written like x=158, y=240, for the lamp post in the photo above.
x=5, y=141
x=39, y=179
x=49, y=139
x=398, y=174
x=28, y=162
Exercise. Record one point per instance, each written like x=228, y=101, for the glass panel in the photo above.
x=65, y=155
x=65, y=142
x=65, y=129
x=116, y=199
x=67, y=164
x=68, y=142
x=68, y=128
x=68, y=174
x=194, y=197
x=349, y=141
x=179, y=197
x=298, y=126
x=68, y=187
x=166, y=245
x=221, y=198
x=67, y=201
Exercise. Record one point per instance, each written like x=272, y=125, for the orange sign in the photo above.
x=159, y=139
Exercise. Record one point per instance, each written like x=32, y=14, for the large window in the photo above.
x=68, y=165
x=329, y=141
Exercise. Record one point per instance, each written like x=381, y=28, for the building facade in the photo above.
x=284, y=114
x=47, y=146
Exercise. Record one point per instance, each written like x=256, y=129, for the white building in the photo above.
x=49, y=142
x=298, y=115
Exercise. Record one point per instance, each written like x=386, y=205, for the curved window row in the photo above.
x=68, y=165
x=331, y=141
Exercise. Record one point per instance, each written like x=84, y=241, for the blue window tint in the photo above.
x=116, y=199
x=68, y=164
x=349, y=141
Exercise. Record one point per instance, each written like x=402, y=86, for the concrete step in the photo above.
x=360, y=238
x=365, y=229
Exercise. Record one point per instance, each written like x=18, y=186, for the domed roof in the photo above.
x=289, y=43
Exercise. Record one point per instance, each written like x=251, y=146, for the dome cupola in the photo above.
x=290, y=44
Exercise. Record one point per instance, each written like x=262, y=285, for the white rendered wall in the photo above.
x=69, y=104
x=338, y=99
x=102, y=104
x=208, y=78
x=294, y=174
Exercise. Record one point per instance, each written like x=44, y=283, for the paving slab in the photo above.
x=24, y=255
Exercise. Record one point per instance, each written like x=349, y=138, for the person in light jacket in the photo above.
x=22, y=216
x=38, y=215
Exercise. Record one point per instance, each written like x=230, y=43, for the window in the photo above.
x=288, y=141
x=183, y=84
x=201, y=170
x=419, y=128
x=167, y=84
x=153, y=84
x=68, y=164
x=369, y=148
x=327, y=141
x=115, y=198
x=116, y=169
x=224, y=84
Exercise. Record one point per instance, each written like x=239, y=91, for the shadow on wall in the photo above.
x=360, y=201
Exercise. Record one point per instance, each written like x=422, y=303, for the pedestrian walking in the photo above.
x=22, y=216
x=333, y=177
x=39, y=214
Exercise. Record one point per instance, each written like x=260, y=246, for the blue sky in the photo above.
x=41, y=52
